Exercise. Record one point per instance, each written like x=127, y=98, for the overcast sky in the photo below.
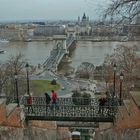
x=50, y=9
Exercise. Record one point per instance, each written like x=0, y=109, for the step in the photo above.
x=2, y=110
x=127, y=105
x=121, y=110
x=2, y=101
x=10, y=108
x=13, y=115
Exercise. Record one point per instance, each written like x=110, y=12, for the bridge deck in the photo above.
x=57, y=54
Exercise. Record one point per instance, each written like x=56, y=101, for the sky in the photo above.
x=50, y=9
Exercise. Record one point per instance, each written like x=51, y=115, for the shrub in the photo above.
x=79, y=98
x=53, y=82
x=86, y=98
x=76, y=97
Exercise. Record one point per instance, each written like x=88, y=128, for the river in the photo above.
x=37, y=52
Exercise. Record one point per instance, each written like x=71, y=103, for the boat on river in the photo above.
x=28, y=40
x=4, y=40
x=2, y=51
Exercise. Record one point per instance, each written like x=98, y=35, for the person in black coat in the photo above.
x=102, y=102
x=48, y=98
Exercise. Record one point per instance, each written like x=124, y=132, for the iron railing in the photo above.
x=68, y=109
x=70, y=112
x=61, y=101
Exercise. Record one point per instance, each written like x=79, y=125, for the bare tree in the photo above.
x=3, y=76
x=127, y=62
x=15, y=65
x=124, y=10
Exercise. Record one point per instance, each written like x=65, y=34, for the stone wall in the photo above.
x=33, y=133
x=2, y=111
x=127, y=124
x=128, y=134
x=130, y=117
x=29, y=133
x=14, y=127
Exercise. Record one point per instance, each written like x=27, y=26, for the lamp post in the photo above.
x=121, y=79
x=16, y=86
x=27, y=70
x=114, y=68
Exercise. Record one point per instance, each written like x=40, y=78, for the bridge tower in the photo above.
x=71, y=33
x=59, y=42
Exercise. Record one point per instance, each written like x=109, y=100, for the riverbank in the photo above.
x=79, y=38
x=108, y=38
x=94, y=39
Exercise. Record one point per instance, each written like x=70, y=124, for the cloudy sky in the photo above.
x=50, y=9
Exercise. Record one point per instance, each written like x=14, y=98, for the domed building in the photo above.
x=84, y=20
x=81, y=28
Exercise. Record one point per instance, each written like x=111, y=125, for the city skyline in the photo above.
x=50, y=9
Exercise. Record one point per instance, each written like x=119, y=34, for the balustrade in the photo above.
x=68, y=109
x=70, y=113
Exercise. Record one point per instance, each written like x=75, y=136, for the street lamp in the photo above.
x=114, y=68
x=121, y=79
x=27, y=70
x=16, y=86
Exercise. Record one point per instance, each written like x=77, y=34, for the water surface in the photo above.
x=37, y=52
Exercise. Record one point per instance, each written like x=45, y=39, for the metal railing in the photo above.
x=67, y=109
x=70, y=112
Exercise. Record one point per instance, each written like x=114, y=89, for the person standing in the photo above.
x=102, y=102
x=29, y=102
x=48, y=99
x=54, y=97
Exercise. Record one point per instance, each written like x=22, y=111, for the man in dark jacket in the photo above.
x=48, y=98
x=102, y=102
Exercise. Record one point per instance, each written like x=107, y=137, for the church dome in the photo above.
x=84, y=16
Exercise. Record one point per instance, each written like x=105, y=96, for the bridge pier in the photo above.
x=62, y=46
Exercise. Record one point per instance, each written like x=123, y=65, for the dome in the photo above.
x=84, y=16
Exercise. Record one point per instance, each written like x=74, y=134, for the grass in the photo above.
x=38, y=87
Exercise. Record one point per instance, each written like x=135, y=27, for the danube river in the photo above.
x=37, y=52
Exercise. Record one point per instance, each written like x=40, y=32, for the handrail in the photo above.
x=126, y=109
x=61, y=100
x=68, y=109
x=120, y=113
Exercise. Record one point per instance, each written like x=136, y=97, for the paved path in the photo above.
x=69, y=84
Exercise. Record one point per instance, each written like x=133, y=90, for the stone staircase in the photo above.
x=13, y=126
x=2, y=111
x=10, y=115
x=127, y=123
x=128, y=115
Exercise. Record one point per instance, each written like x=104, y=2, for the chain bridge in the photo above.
x=62, y=46
x=69, y=109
